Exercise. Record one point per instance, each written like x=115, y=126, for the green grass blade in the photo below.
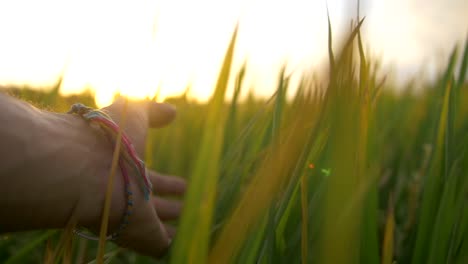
x=435, y=178
x=463, y=67
x=331, y=57
x=23, y=252
x=445, y=220
x=305, y=220
x=232, y=120
x=193, y=238
x=250, y=252
x=389, y=233
x=260, y=192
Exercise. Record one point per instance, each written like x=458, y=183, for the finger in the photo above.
x=160, y=114
x=167, y=209
x=171, y=231
x=157, y=114
x=135, y=110
x=149, y=237
x=167, y=185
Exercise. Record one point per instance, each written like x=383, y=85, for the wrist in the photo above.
x=74, y=161
x=128, y=155
x=55, y=166
x=48, y=161
x=78, y=158
x=92, y=149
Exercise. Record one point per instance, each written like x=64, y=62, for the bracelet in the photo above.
x=128, y=154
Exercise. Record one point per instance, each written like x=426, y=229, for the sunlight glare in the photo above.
x=138, y=48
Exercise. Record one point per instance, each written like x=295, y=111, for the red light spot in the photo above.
x=311, y=166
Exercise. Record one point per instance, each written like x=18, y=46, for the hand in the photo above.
x=146, y=233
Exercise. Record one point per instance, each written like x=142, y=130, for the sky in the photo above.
x=142, y=47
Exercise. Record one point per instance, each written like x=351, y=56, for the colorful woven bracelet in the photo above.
x=128, y=155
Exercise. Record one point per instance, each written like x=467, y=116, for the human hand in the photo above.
x=146, y=232
x=55, y=169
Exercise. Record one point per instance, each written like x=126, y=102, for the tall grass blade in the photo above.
x=437, y=173
x=346, y=155
x=463, y=66
x=259, y=193
x=389, y=234
x=305, y=219
x=192, y=241
x=445, y=220
x=110, y=187
x=257, y=239
x=331, y=57
x=24, y=251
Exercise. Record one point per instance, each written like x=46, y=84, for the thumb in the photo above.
x=157, y=114
x=160, y=114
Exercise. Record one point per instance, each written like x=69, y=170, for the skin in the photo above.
x=54, y=169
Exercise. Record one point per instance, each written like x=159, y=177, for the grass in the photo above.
x=347, y=171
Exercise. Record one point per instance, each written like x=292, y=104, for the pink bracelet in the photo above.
x=127, y=154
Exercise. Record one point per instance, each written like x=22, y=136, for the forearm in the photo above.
x=47, y=162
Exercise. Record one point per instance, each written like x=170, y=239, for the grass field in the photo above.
x=351, y=170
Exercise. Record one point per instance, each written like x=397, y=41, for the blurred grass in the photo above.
x=351, y=170
x=191, y=245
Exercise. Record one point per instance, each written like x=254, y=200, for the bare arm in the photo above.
x=43, y=168
x=54, y=166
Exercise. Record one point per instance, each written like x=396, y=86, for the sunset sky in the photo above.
x=137, y=46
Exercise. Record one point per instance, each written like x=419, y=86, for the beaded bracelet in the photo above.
x=127, y=154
